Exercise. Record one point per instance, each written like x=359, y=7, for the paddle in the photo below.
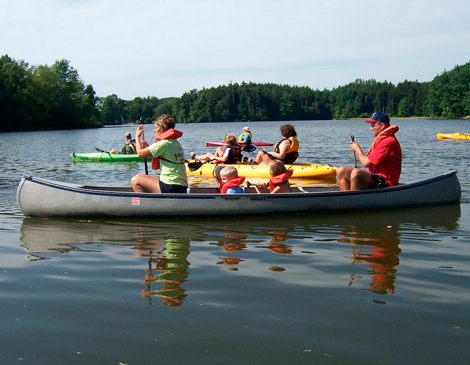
x=100, y=150
x=143, y=140
x=196, y=165
x=355, y=159
x=262, y=150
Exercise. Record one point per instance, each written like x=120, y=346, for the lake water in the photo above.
x=387, y=287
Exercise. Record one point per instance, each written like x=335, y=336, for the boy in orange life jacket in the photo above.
x=231, y=181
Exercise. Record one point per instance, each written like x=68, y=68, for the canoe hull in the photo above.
x=460, y=136
x=104, y=157
x=44, y=198
x=301, y=171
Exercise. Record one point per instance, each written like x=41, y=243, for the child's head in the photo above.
x=230, y=139
x=277, y=167
x=216, y=172
x=228, y=173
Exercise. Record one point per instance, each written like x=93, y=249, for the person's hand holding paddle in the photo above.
x=141, y=144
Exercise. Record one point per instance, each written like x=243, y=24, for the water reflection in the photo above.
x=168, y=265
x=308, y=250
x=380, y=253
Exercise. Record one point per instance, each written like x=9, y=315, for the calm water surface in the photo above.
x=378, y=287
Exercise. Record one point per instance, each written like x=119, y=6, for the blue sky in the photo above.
x=167, y=47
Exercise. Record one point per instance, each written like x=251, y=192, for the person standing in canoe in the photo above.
x=383, y=159
x=167, y=155
x=129, y=147
x=285, y=150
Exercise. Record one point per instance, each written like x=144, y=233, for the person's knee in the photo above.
x=341, y=171
x=357, y=174
x=135, y=180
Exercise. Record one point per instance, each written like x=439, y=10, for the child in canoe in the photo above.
x=231, y=181
x=279, y=181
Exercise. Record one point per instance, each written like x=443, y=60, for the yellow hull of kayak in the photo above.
x=453, y=136
x=301, y=171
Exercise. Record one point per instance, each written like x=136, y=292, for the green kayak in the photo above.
x=104, y=157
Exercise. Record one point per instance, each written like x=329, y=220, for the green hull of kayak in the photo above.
x=104, y=157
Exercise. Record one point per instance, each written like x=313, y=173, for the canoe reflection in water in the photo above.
x=309, y=250
x=168, y=265
x=380, y=253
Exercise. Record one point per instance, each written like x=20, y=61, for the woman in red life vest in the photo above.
x=167, y=155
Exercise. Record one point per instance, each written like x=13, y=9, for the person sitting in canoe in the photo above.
x=245, y=139
x=129, y=147
x=285, y=150
x=231, y=181
x=167, y=155
x=279, y=181
x=229, y=155
x=383, y=159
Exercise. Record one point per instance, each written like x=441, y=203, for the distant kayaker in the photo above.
x=383, y=159
x=245, y=137
x=167, y=155
x=244, y=140
x=129, y=147
x=285, y=150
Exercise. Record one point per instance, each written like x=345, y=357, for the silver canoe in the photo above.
x=45, y=198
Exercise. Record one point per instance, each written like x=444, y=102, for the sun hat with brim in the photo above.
x=380, y=117
x=246, y=129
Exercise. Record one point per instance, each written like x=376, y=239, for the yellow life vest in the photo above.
x=240, y=138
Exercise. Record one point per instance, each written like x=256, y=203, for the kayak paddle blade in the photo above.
x=193, y=166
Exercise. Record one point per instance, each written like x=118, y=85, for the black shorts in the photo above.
x=377, y=181
x=172, y=189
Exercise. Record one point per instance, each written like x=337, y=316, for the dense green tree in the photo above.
x=45, y=97
x=54, y=97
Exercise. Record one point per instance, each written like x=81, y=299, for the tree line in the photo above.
x=54, y=97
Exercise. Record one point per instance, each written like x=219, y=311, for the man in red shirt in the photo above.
x=383, y=159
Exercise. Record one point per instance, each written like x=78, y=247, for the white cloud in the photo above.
x=164, y=48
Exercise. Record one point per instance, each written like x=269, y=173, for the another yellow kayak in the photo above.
x=453, y=136
x=301, y=171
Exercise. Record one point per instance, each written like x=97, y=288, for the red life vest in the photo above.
x=279, y=179
x=232, y=184
x=169, y=134
x=235, y=155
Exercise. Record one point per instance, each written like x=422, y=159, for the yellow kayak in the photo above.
x=453, y=136
x=301, y=171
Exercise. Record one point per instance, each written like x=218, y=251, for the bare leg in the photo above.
x=263, y=158
x=219, y=152
x=350, y=178
x=343, y=174
x=142, y=183
x=359, y=179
